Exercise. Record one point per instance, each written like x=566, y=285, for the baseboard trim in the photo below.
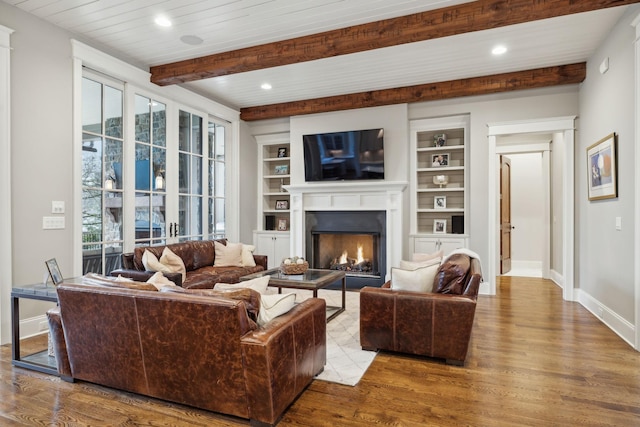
x=34, y=326
x=623, y=328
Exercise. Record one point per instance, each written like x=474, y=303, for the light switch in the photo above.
x=52, y=222
x=57, y=207
x=618, y=223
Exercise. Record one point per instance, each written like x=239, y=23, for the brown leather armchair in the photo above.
x=424, y=323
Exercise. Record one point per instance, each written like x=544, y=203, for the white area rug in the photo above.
x=346, y=361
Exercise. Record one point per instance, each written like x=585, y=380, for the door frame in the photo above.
x=566, y=126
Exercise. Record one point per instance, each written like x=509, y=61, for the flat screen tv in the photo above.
x=342, y=156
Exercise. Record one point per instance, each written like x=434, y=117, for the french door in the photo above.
x=152, y=173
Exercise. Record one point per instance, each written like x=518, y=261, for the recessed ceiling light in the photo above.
x=499, y=50
x=192, y=40
x=163, y=21
x=266, y=86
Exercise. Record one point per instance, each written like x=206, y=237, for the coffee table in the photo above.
x=312, y=279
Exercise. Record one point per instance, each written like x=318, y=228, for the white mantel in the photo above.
x=350, y=196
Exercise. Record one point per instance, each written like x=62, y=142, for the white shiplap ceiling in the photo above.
x=127, y=28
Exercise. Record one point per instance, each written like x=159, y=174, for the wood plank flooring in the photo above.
x=534, y=360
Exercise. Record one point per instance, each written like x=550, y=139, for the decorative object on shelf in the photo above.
x=283, y=224
x=601, y=164
x=282, y=204
x=294, y=265
x=439, y=139
x=441, y=180
x=441, y=159
x=439, y=202
x=270, y=222
x=54, y=271
x=282, y=185
x=282, y=169
x=439, y=226
x=282, y=152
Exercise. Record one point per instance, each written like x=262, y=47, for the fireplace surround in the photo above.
x=352, y=241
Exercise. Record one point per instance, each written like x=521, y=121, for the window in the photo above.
x=102, y=195
x=216, y=142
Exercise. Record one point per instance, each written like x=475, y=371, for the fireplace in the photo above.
x=351, y=241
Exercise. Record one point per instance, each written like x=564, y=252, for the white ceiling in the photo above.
x=126, y=27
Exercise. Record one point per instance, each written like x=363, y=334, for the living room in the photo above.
x=41, y=88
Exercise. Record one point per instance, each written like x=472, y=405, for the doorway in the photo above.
x=563, y=177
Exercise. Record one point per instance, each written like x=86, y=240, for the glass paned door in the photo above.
x=216, y=192
x=102, y=194
x=150, y=171
x=190, y=176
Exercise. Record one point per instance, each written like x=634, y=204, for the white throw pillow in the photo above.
x=229, y=255
x=159, y=280
x=412, y=265
x=247, y=256
x=169, y=262
x=418, y=280
x=418, y=257
x=274, y=305
x=258, y=284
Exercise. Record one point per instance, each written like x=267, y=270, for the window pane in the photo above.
x=113, y=112
x=159, y=168
x=158, y=214
x=183, y=172
x=143, y=167
x=92, y=259
x=113, y=164
x=143, y=216
x=196, y=175
x=143, y=123
x=91, y=161
x=219, y=151
x=184, y=130
x=159, y=123
x=91, y=216
x=91, y=106
x=196, y=135
x=113, y=252
x=195, y=216
x=220, y=217
x=112, y=216
x=219, y=179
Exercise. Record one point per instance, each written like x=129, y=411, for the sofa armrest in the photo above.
x=143, y=276
x=261, y=260
x=282, y=357
x=59, y=343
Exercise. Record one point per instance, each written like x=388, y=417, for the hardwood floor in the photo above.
x=534, y=360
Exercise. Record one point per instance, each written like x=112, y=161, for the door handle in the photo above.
x=175, y=228
x=171, y=230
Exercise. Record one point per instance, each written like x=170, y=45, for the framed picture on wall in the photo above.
x=439, y=226
x=602, y=170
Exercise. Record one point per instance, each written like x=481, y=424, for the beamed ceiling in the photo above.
x=328, y=55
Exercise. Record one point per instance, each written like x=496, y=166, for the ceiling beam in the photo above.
x=468, y=17
x=518, y=80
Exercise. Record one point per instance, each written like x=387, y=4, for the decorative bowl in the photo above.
x=294, y=268
x=440, y=180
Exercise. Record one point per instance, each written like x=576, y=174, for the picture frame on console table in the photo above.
x=54, y=271
x=602, y=169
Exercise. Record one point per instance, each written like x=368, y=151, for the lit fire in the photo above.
x=344, y=258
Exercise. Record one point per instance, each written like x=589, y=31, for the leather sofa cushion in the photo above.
x=452, y=274
x=113, y=282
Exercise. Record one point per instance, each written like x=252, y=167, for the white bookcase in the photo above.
x=438, y=184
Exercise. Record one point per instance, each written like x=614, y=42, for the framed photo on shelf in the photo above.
x=282, y=152
x=439, y=202
x=282, y=169
x=438, y=160
x=439, y=226
x=439, y=139
x=283, y=224
x=602, y=170
x=282, y=205
x=54, y=271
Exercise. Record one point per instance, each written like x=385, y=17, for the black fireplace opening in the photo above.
x=350, y=241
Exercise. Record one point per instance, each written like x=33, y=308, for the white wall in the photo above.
x=527, y=209
x=605, y=257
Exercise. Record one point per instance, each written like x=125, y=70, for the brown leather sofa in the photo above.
x=193, y=349
x=198, y=257
x=428, y=324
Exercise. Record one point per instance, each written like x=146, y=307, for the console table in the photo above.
x=39, y=361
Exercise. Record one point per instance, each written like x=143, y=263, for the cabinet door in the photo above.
x=430, y=245
x=280, y=249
